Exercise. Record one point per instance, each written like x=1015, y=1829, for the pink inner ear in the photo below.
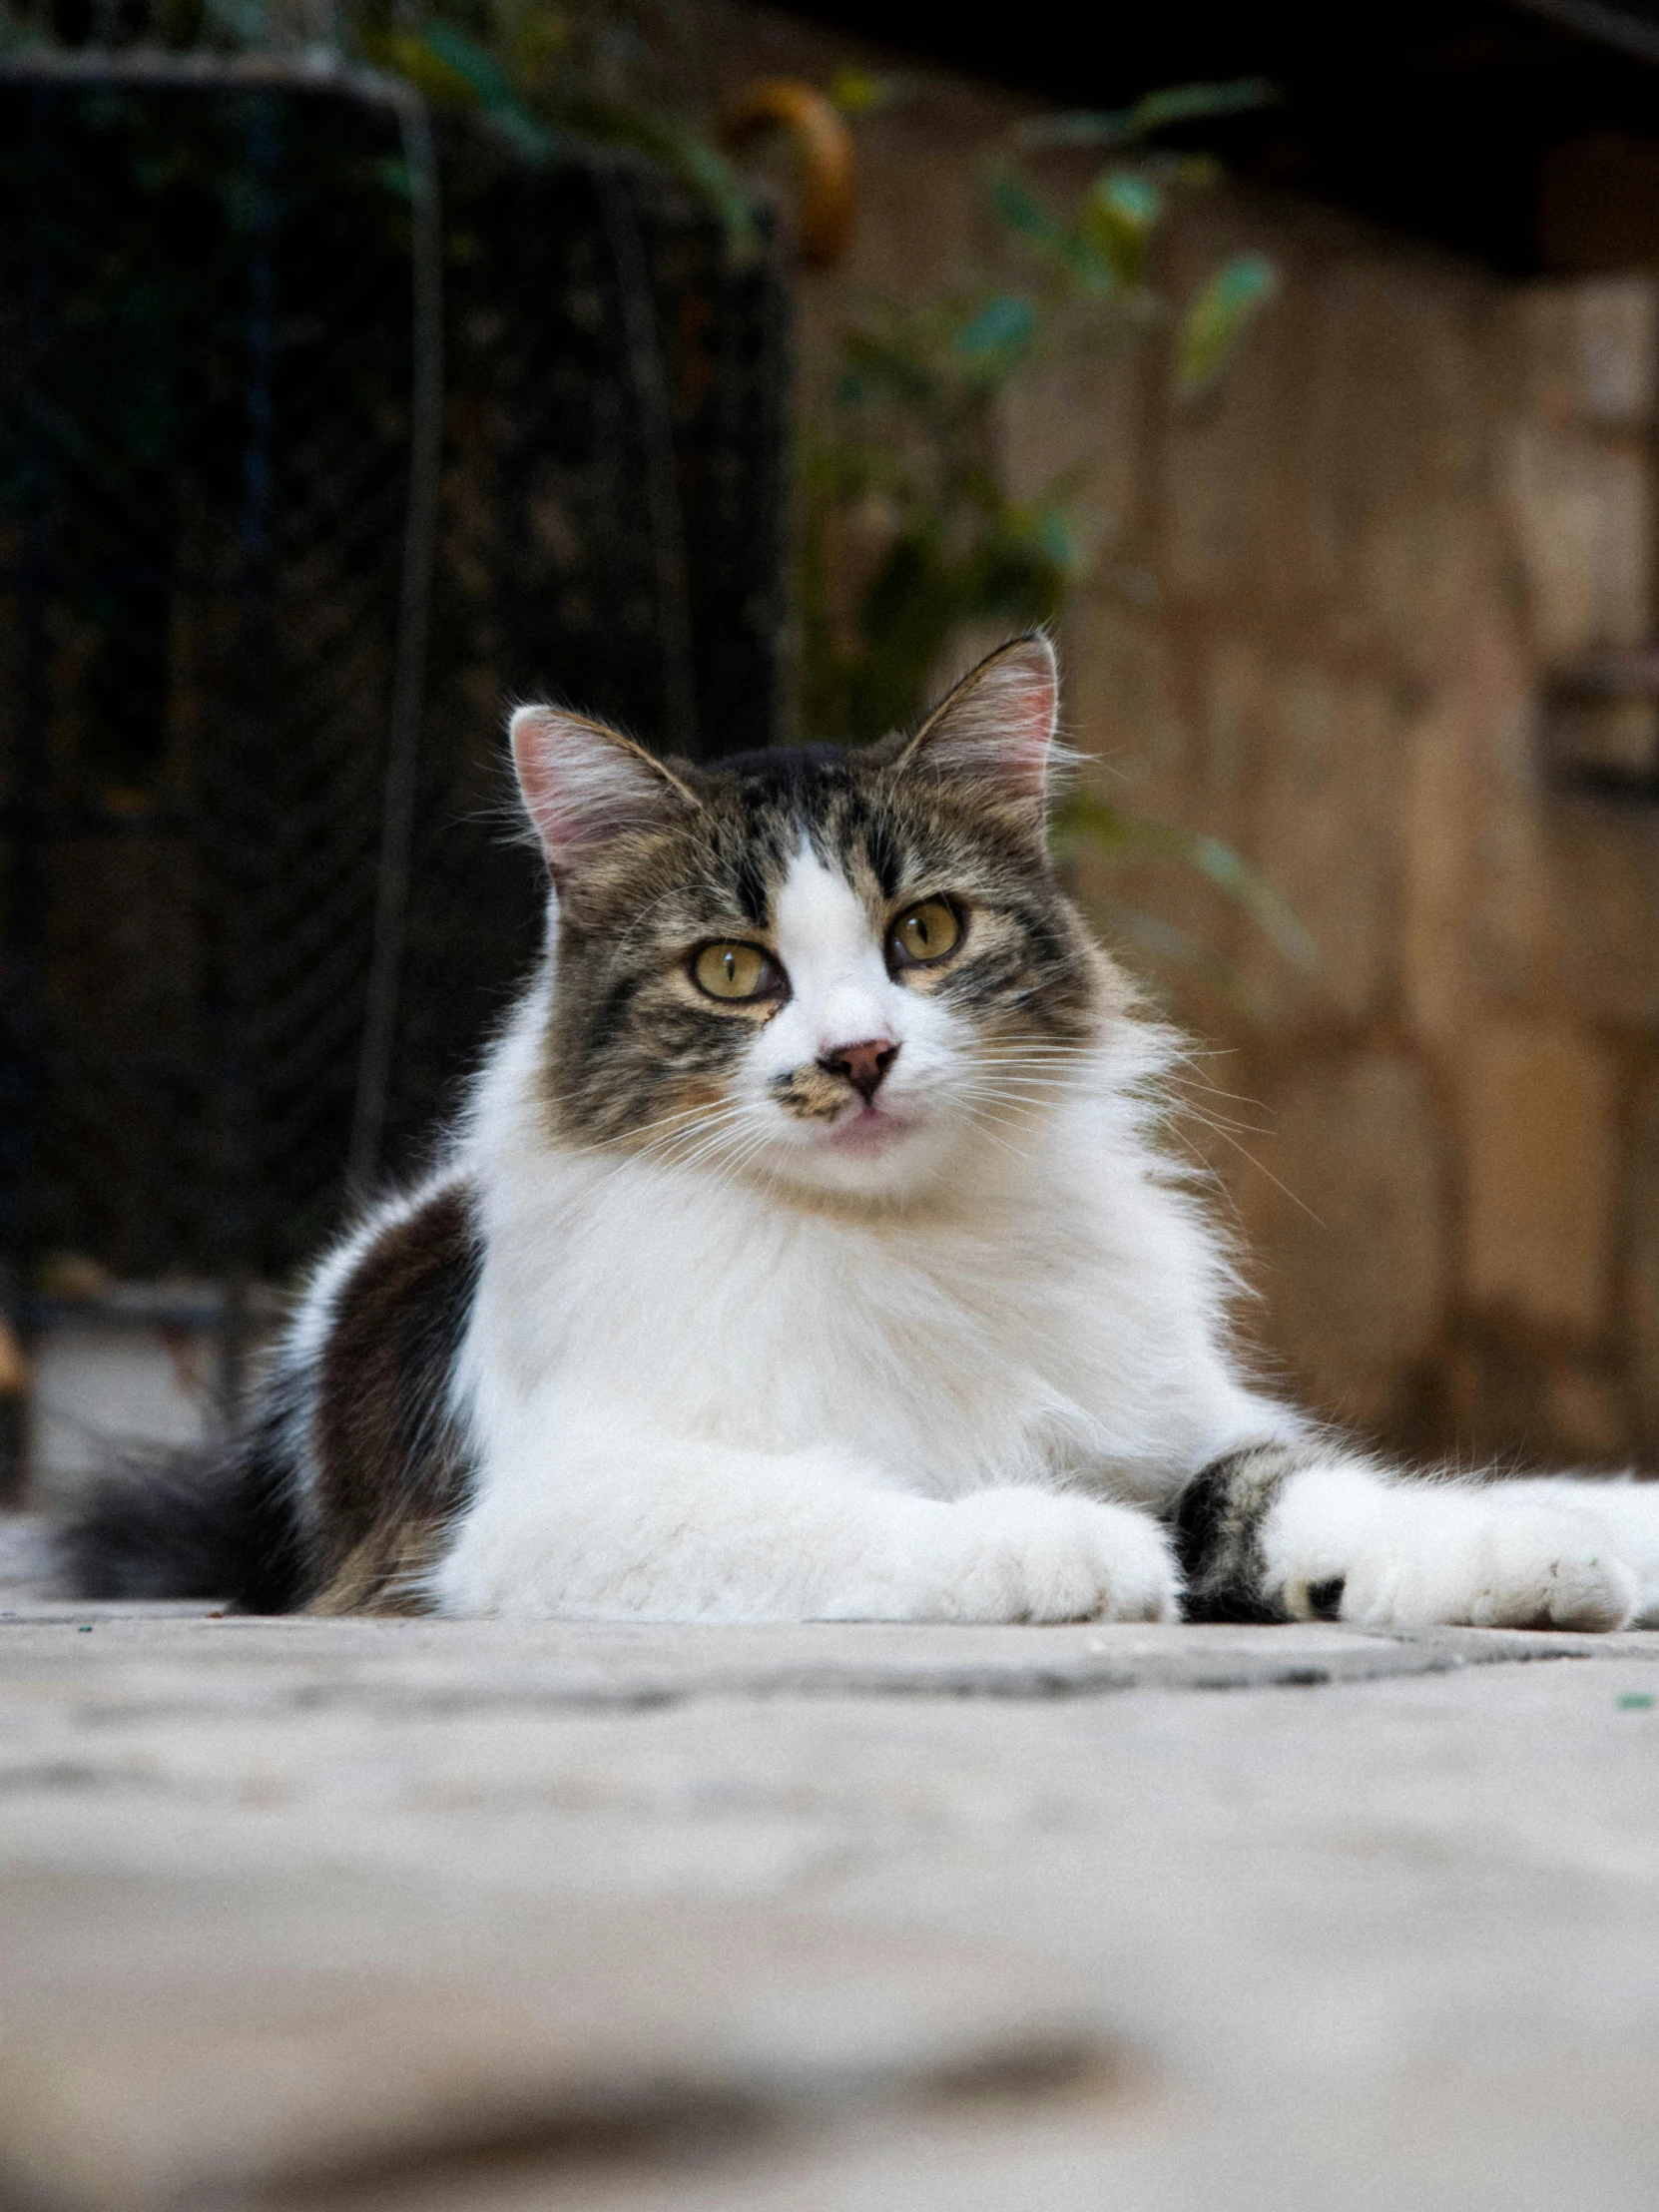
x=580, y=784
x=534, y=744
x=1029, y=706
x=1000, y=720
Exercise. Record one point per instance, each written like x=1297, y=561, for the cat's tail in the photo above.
x=213, y=1522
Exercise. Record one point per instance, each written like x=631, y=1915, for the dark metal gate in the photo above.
x=319, y=444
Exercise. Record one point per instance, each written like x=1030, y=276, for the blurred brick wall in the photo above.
x=1330, y=606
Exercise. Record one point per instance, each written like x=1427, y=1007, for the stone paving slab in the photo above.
x=178, y=1663
x=1379, y=1924
x=166, y=2040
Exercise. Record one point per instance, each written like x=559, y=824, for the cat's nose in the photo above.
x=863, y=1065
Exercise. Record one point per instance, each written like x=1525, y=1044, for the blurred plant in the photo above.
x=908, y=539
x=1085, y=818
x=616, y=70
x=907, y=533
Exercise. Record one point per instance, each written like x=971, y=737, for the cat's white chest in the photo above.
x=915, y=1351
x=951, y=1355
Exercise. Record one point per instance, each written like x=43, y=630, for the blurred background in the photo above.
x=742, y=376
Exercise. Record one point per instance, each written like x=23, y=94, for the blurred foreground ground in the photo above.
x=357, y=1915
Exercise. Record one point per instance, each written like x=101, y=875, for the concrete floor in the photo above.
x=391, y=1914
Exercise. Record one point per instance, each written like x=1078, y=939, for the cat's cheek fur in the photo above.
x=1345, y=1540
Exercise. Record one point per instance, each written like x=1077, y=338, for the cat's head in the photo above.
x=837, y=968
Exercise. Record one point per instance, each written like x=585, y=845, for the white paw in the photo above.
x=1029, y=1555
x=1458, y=1559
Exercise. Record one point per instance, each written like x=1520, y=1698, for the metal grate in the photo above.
x=257, y=620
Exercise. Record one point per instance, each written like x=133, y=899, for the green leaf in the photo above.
x=680, y=148
x=1156, y=112
x=686, y=150
x=1064, y=245
x=1005, y=324
x=1210, y=330
x=1132, y=198
x=1198, y=103
x=1087, y=815
x=244, y=20
x=449, y=66
x=860, y=92
x=1120, y=213
x=1023, y=211
x=469, y=61
x=413, y=59
x=876, y=363
x=1054, y=534
x=527, y=132
x=393, y=173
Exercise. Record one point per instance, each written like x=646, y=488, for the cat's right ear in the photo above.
x=996, y=729
x=583, y=785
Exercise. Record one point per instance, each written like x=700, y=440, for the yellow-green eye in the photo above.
x=733, y=971
x=927, y=933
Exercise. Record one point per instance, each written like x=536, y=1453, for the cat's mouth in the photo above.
x=867, y=1128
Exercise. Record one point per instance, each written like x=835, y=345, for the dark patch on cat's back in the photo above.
x=392, y=1467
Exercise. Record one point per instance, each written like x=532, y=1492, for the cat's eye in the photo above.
x=923, y=934
x=736, y=972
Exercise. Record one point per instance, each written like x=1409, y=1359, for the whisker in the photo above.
x=1247, y=1154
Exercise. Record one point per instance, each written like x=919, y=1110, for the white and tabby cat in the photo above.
x=806, y=1254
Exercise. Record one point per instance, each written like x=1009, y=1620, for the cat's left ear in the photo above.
x=584, y=784
x=996, y=728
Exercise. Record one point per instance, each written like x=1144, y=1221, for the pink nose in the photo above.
x=863, y=1065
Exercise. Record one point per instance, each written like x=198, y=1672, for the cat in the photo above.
x=808, y=1251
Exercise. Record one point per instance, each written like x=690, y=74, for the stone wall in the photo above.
x=1329, y=609
x=1424, y=497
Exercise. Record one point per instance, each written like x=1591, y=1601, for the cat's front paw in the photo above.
x=1029, y=1555
x=1463, y=1559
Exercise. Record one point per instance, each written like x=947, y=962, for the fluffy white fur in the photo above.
x=1578, y=1553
